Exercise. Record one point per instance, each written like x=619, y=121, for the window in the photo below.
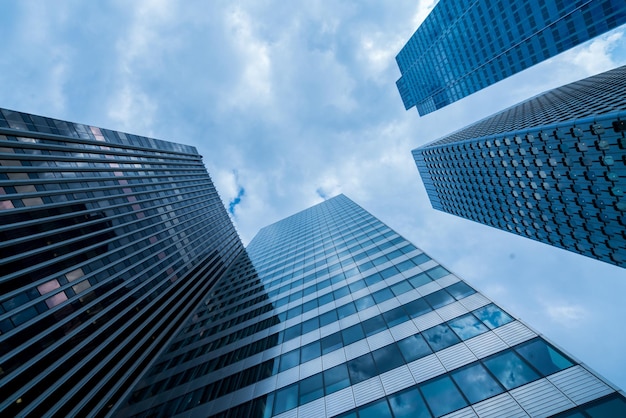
x=440, y=337
x=476, y=383
x=492, y=316
x=510, y=369
x=543, y=357
x=414, y=347
x=467, y=326
x=442, y=396
x=361, y=368
x=387, y=358
x=408, y=404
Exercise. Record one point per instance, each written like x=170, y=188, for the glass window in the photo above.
x=476, y=383
x=420, y=258
x=437, y=272
x=286, y=399
x=395, y=316
x=361, y=368
x=442, y=396
x=417, y=307
x=310, y=325
x=364, y=302
x=460, y=290
x=408, y=404
x=400, y=288
x=414, y=347
x=346, y=310
x=328, y=317
x=615, y=407
x=373, y=279
x=378, y=409
x=331, y=343
x=510, y=369
x=543, y=357
x=492, y=316
x=352, y=334
x=387, y=358
x=439, y=298
x=382, y=295
x=336, y=379
x=289, y=360
x=310, y=351
x=356, y=286
x=440, y=337
x=374, y=325
x=419, y=280
x=467, y=326
x=311, y=388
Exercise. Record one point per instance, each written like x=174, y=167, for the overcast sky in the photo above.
x=291, y=102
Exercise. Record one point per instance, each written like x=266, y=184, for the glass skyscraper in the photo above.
x=552, y=168
x=108, y=241
x=465, y=46
x=329, y=312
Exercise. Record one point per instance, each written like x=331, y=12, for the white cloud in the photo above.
x=597, y=55
x=565, y=314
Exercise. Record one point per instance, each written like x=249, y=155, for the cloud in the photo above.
x=565, y=314
x=596, y=55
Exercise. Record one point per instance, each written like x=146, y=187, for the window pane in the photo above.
x=442, y=396
x=374, y=325
x=311, y=388
x=413, y=348
x=440, y=337
x=417, y=307
x=400, y=288
x=382, y=295
x=408, y=404
x=395, y=316
x=352, y=334
x=510, y=370
x=310, y=351
x=361, y=368
x=286, y=399
x=331, y=343
x=364, y=302
x=336, y=379
x=492, y=316
x=437, y=272
x=543, y=357
x=346, y=310
x=419, y=280
x=467, y=326
x=439, y=298
x=289, y=360
x=387, y=358
x=460, y=290
x=378, y=409
x=476, y=384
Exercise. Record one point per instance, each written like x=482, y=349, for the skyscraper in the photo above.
x=329, y=312
x=552, y=168
x=108, y=241
x=463, y=47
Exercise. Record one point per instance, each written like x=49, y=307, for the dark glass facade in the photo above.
x=552, y=168
x=463, y=47
x=329, y=312
x=108, y=242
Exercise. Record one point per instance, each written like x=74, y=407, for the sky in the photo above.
x=294, y=102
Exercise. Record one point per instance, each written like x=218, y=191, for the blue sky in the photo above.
x=289, y=102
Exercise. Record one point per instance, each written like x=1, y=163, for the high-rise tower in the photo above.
x=108, y=241
x=465, y=46
x=552, y=168
x=329, y=312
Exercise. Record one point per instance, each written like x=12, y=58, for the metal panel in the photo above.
x=265, y=386
x=403, y=330
x=499, y=406
x=368, y=313
x=310, y=336
x=368, y=391
x=292, y=413
x=462, y=413
x=429, y=264
x=291, y=345
x=448, y=280
x=334, y=358
x=329, y=329
x=288, y=377
x=379, y=340
x=348, y=321
x=312, y=409
x=579, y=384
x=310, y=367
x=514, y=333
x=485, y=344
x=456, y=356
x=474, y=301
x=356, y=349
x=452, y=311
x=409, y=296
x=340, y=401
x=388, y=305
x=428, y=288
x=397, y=379
x=425, y=368
x=541, y=398
x=427, y=320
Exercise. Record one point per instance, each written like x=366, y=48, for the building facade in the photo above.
x=552, y=168
x=329, y=312
x=463, y=47
x=108, y=241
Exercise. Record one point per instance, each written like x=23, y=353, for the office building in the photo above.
x=552, y=168
x=329, y=312
x=463, y=47
x=108, y=242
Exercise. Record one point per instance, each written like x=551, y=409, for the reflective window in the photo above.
x=379, y=409
x=400, y=288
x=492, y=316
x=413, y=348
x=417, y=307
x=374, y=325
x=510, y=369
x=286, y=399
x=310, y=351
x=311, y=388
x=543, y=357
x=437, y=272
x=361, y=368
x=352, y=334
x=442, y=396
x=419, y=280
x=408, y=404
x=467, y=326
x=387, y=358
x=439, y=298
x=289, y=360
x=460, y=290
x=395, y=316
x=440, y=337
x=331, y=343
x=336, y=379
x=476, y=383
